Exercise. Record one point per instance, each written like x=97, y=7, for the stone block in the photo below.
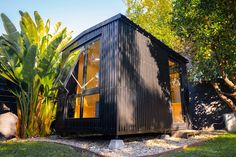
x=116, y=144
x=165, y=136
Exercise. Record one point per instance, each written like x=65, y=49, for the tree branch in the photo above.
x=225, y=77
x=230, y=94
x=228, y=101
x=227, y=81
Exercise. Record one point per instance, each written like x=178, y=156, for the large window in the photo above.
x=85, y=104
x=175, y=87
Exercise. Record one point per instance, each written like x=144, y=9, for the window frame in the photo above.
x=90, y=91
x=180, y=81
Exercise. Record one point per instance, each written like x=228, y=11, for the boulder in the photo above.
x=8, y=123
x=230, y=122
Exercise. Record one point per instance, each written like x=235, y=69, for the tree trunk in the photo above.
x=224, y=97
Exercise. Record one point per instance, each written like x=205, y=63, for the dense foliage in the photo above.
x=210, y=25
x=155, y=17
x=32, y=60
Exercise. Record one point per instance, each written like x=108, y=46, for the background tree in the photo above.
x=32, y=60
x=155, y=17
x=210, y=25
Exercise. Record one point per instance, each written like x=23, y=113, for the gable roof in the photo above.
x=128, y=21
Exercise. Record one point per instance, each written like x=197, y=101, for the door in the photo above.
x=175, y=91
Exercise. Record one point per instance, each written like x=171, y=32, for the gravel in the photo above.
x=134, y=146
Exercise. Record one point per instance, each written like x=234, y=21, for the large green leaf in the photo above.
x=6, y=71
x=8, y=25
x=47, y=26
x=50, y=53
x=56, y=27
x=30, y=29
x=29, y=63
x=13, y=36
x=40, y=23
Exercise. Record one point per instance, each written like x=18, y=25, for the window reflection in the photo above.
x=92, y=77
x=91, y=105
x=80, y=73
x=77, y=107
x=79, y=85
x=87, y=93
x=175, y=87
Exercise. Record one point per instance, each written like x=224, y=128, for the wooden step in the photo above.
x=179, y=126
x=185, y=133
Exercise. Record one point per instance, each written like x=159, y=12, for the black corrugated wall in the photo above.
x=106, y=123
x=143, y=100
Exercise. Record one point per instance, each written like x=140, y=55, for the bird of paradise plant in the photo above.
x=32, y=60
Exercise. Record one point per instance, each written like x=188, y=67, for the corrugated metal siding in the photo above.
x=106, y=124
x=6, y=97
x=109, y=46
x=143, y=83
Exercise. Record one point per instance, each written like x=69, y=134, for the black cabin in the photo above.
x=124, y=81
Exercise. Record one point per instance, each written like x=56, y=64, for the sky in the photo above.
x=76, y=15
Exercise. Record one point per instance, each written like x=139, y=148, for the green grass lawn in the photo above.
x=38, y=149
x=222, y=146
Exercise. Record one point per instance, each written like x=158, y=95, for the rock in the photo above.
x=8, y=124
x=230, y=122
x=116, y=144
x=2, y=138
x=165, y=136
x=4, y=108
x=54, y=137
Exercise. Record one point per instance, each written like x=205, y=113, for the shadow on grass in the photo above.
x=222, y=146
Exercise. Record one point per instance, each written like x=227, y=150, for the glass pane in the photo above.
x=79, y=86
x=92, y=77
x=91, y=106
x=175, y=91
x=77, y=107
x=80, y=73
x=70, y=64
